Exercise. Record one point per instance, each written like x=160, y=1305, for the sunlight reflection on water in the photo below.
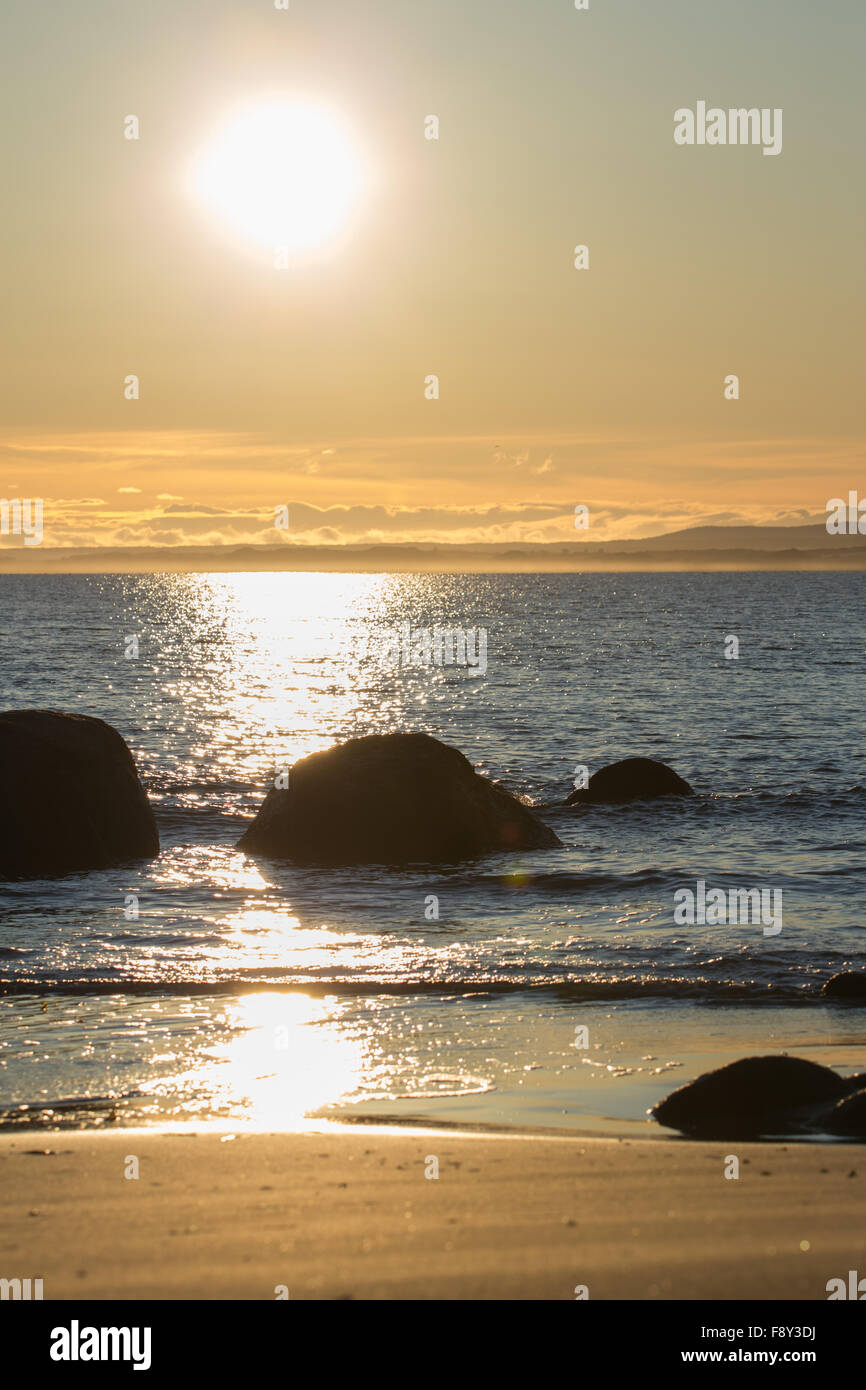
x=241, y=673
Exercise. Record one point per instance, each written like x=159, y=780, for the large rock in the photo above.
x=763, y=1095
x=846, y=984
x=632, y=779
x=70, y=798
x=848, y=1115
x=391, y=798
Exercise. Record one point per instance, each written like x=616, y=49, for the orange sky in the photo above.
x=304, y=385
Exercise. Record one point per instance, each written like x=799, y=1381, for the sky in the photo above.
x=303, y=386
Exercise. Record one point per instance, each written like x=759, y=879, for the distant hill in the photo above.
x=810, y=537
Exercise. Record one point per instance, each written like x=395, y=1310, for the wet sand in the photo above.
x=340, y=1214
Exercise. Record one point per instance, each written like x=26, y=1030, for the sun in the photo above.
x=281, y=175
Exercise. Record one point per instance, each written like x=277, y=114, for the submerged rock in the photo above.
x=846, y=984
x=632, y=779
x=758, y=1096
x=70, y=797
x=391, y=798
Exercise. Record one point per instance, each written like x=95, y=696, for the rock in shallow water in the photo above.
x=389, y=799
x=632, y=779
x=848, y=1115
x=847, y=984
x=758, y=1096
x=70, y=798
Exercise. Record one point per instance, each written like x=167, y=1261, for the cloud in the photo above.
x=196, y=509
x=518, y=524
x=77, y=502
x=507, y=488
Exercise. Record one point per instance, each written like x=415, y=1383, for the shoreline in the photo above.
x=606, y=1092
x=337, y=1215
x=608, y=1131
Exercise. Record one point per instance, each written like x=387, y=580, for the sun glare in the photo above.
x=284, y=176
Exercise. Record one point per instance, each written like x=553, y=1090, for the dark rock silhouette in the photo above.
x=632, y=779
x=391, y=798
x=70, y=798
x=847, y=984
x=765, y=1095
x=848, y=1115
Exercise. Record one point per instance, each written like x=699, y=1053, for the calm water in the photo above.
x=254, y=991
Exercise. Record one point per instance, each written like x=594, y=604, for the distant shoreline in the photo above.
x=417, y=560
x=695, y=549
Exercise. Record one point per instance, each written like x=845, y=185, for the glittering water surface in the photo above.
x=250, y=990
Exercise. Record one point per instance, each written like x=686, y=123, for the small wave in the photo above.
x=697, y=990
x=164, y=939
x=166, y=785
x=65, y=1110
x=564, y=881
x=442, y=1087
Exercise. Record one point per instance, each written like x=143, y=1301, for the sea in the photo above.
x=554, y=989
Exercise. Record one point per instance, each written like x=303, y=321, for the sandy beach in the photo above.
x=337, y=1215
